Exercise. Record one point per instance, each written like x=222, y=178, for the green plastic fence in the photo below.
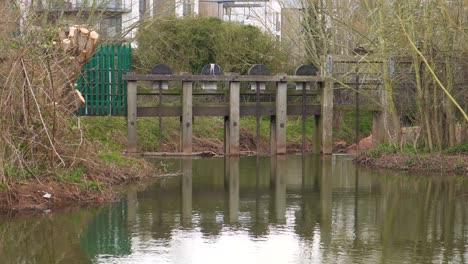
x=101, y=82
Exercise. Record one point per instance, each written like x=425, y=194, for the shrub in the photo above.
x=189, y=43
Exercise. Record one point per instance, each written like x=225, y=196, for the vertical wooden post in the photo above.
x=257, y=117
x=226, y=135
x=303, y=119
x=281, y=117
x=316, y=137
x=327, y=109
x=234, y=118
x=132, y=116
x=272, y=135
x=187, y=117
x=159, y=115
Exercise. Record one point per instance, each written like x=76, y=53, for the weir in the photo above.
x=275, y=96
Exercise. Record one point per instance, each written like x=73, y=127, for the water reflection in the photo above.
x=285, y=209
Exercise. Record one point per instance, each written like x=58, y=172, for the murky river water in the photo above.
x=289, y=209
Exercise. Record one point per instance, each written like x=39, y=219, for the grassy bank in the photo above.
x=452, y=160
x=208, y=133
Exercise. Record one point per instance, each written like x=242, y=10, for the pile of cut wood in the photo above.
x=80, y=43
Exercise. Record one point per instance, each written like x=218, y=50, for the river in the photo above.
x=286, y=209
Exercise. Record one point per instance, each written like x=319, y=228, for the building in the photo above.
x=113, y=19
x=117, y=19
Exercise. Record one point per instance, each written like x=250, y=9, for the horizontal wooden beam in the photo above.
x=220, y=78
x=367, y=59
x=225, y=92
x=362, y=107
x=223, y=110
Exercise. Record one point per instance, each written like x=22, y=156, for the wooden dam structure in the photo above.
x=276, y=96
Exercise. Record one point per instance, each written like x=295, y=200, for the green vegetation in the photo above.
x=462, y=148
x=43, y=143
x=427, y=44
x=111, y=132
x=386, y=149
x=348, y=129
x=77, y=176
x=189, y=43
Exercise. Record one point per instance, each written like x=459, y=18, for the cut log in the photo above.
x=62, y=34
x=84, y=31
x=91, y=44
x=83, y=39
x=66, y=45
x=72, y=36
x=94, y=36
x=79, y=99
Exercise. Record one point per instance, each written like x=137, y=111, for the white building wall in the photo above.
x=130, y=19
x=267, y=17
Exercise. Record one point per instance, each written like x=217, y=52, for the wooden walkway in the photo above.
x=286, y=101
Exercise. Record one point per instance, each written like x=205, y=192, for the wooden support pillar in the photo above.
x=281, y=117
x=132, y=117
x=187, y=117
x=327, y=110
x=272, y=135
x=316, y=137
x=226, y=135
x=234, y=118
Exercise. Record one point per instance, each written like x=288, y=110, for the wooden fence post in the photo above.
x=281, y=117
x=187, y=116
x=316, y=137
x=234, y=118
x=327, y=109
x=132, y=116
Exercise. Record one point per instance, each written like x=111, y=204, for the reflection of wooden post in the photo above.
x=187, y=117
x=132, y=116
x=131, y=205
x=233, y=189
x=273, y=173
x=186, y=191
x=327, y=110
x=326, y=192
x=234, y=118
x=280, y=188
x=281, y=117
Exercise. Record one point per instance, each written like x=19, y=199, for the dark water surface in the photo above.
x=289, y=209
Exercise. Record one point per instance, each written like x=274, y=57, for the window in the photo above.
x=187, y=8
x=111, y=27
x=277, y=22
